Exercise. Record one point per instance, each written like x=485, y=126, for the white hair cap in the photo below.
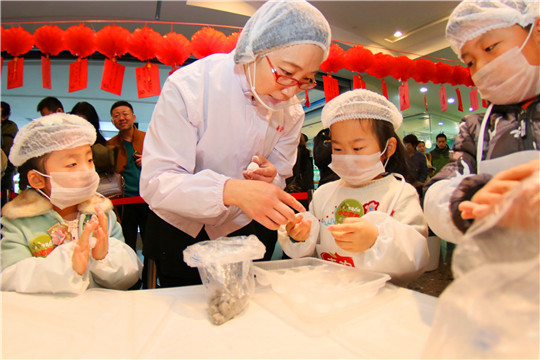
x=360, y=104
x=277, y=24
x=50, y=133
x=472, y=18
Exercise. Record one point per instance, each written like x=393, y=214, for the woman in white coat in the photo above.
x=216, y=116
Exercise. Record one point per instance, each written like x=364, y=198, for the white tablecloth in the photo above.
x=172, y=323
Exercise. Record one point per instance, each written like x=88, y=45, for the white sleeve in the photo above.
x=400, y=250
x=298, y=249
x=437, y=209
x=168, y=181
x=51, y=274
x=120, y=269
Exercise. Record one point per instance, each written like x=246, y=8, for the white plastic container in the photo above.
x=316, y=289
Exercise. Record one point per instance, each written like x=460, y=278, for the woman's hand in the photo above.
x=266, y=171
x=299, y=229
x=101, y=233
x=265, y=203
x=483, y=201
x=355, y=234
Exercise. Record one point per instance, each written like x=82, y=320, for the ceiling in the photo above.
x=367, y=23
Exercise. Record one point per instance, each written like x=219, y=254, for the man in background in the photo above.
x=440, y=156
x=49, y=105
x=9, y=130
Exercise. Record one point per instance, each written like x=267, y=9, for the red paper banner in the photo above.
x=358, y=83
x=113, y=77
x=460, y=103
x=147, y=80
x=384, y=89
x=404, y=100
x=485, y=103
x=15, y=73
x=331, y=87
x=46, y=72
x=425, y=101
x=307, y=103
x=444, y=100
x=473, y=95
x=78, y=75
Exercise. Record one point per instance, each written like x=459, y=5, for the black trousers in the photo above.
x=133, y=217
x=168, y=243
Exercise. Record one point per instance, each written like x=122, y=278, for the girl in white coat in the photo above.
x=370, y=218
x=217, y=115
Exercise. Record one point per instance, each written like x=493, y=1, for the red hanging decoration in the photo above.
x=230, y=42
x=403, y=68
x=207, y=41
x=17, y=41
x=2, y=43
x=143, y=43
x=173, y=50
x=485, y=103
x=473, y=97
x=384, y=89
x=460, y=102
x=111, y=41
x=443, y=99
x=307, y=103
x=358, y=59
x=80, y=40
x=443, y=73
x=49, y=39
x=382, y=65
x=331, y=87
x=425, y=70
x=404, y=100
x=335, y=60
x=358, y=83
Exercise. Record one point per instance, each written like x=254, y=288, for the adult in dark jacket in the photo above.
x=302, y=179
x=322, y=156
x=416, y=162
x=9, y=130
x=440, y=156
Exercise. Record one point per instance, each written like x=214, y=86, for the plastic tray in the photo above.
x=316, y=289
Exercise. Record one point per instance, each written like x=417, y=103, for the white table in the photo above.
x=172, y=323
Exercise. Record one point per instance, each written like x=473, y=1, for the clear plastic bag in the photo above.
x=491, y=310
x=225, y=268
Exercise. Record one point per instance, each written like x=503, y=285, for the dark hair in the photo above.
x=89, y=112
x=421, y=142
x=51, y=103
x=441, y=135
x=121, y=103
x=411, y=139
x=6, y=109
x=35, y=163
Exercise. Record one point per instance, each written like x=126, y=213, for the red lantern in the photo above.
x=207, y=41
x=403, y=69
x=2, y=44
x=230, y=42
x=335, y=60
x=49, y=39
x=425, y=70
x=358, y=59
x=382, y=65
x=460, y=75
x=443, y=73
x=80, y=40
x=111, y=41
x=143, y=43
x=17, y=41
x=173, y=50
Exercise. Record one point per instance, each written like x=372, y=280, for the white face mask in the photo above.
x=72, y=187
x=358, y=169
x=508, y=79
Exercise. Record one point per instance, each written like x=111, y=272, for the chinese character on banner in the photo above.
x=78, y=75
x=331, y=87
x=46, y=72
x=404, y=101
x=442, y=97
x=147, y=80
x=15, y=73
x=113, y=77
x=474, y=99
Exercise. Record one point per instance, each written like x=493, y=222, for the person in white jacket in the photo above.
x=60, y=236
x=214, y=118
x=371, y=218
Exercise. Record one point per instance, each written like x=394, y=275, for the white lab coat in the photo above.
x=205, y=129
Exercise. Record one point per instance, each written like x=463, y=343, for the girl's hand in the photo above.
x=101, y=234
x=265, y=203
x=299, y=229
x=354, y=234
x=81, y=252
x=483, y=201
x=266, y=171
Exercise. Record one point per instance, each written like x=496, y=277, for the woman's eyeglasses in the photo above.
x=290, y=81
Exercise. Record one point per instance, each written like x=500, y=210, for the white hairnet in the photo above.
x=50, y=133
x=360, y=104
x=472, y=18
x=277, y=24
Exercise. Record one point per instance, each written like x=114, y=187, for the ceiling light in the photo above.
x=428, y=143
x=424, y=89
x=398, y=33
x=471, y=109
x=451, y=100
x=441, y=123
x=403, y=35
